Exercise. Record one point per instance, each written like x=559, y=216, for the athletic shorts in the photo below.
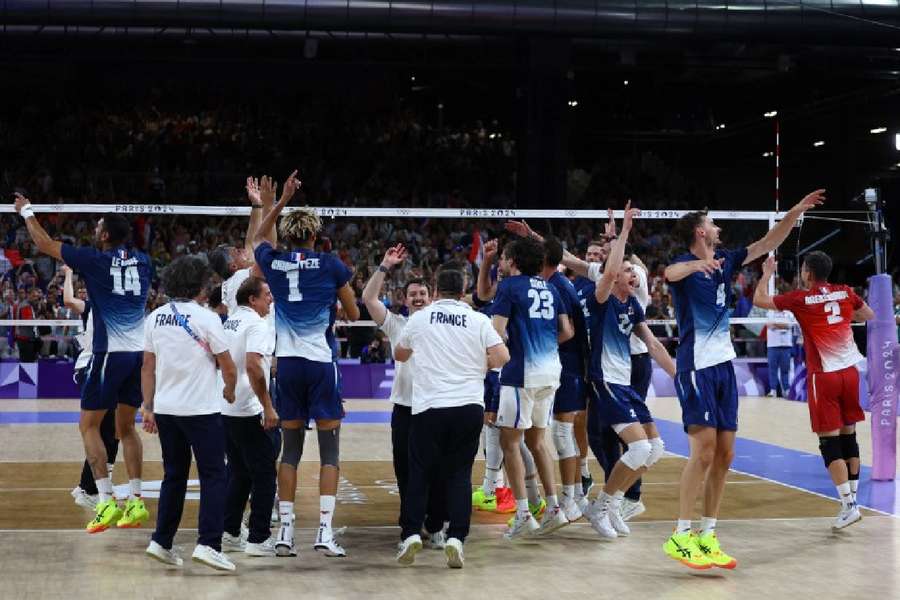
x=833, y=399
x=641, y=373
x=709, y=397
x=492, y=392
x=524, y=408
x=112, y=378
x=571, y=395
x=308, y=390
x=618, y=404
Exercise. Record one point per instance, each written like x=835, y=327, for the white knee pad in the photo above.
x=637, y=455
x=564, y=438
x=658, y=447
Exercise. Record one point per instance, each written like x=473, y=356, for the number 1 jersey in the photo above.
x=117, y=281
x=532, y=306
x=304, y=284
x=824, y=314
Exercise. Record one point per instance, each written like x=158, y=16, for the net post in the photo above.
x=882, y=355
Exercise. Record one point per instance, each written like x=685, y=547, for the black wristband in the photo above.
x=383, y=268
x=255, y=206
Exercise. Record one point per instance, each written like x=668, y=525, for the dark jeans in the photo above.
x=28, y=350
x=178, y=436
x=779, y=364
x=436, y=510
x=443, y=442
x=108, y=434
x=251, y=468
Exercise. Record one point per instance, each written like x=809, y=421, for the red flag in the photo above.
x=476, y=254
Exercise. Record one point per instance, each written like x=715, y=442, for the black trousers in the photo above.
x=29, y=350
x=178, y=437
x=442, y=442
x=436, y=509
x=251, y=474
x=108, y=435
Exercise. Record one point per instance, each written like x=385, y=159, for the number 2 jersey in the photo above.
x=117, y=281
x=532, y=306
x=824, y=315
x=304, y=284
x=610, y=327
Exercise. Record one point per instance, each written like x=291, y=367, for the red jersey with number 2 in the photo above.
x=824, y=314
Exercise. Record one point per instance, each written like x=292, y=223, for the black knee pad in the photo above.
x=830, y=447
x=849, y=446
x=292, y=440
x=329, y=447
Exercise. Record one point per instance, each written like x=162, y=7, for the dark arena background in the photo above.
x=432, y=125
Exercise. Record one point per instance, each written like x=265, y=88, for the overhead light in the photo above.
x=819, y=143
x=720, y=126
x=897, y=141
x=412, y=77
x=768, y=154
x=770, y=114
x=878, y=130
x=573, y=103
x=493, y=135
x=625, y=82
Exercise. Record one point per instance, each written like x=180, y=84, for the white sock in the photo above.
x=522, y=507
x=489, y=484
x=843, y=491
x=854, y=487
x=286, y=512
x=707, y=525
x=552, y=501
x=326, y=510
x=585, y=472
x=104, y=488
x=684, y=526
x=134, y=486
x=534, y=494
x=493, y=459
x=579, y=492
x=569, y=492
x=109, y=470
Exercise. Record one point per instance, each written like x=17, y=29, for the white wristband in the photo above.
x=26, y=211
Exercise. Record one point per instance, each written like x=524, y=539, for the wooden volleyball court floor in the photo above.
x=775, y=519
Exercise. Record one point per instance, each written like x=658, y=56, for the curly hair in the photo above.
x=186, y=277
x=300, y=225
x=527, y=255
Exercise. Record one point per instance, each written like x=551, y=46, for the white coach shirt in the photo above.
x=185, y=337
x=449, y=341
x=230, y=289
x=246, y=332
x=402, y=390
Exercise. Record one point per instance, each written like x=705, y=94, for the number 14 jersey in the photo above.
x=824, y=314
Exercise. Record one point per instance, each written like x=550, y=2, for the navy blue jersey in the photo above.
x=572, y=353
x=304, y=284
x=584, y=288
x=117, y=281
x=532, y=307
x=702, y=310
x=611, y=325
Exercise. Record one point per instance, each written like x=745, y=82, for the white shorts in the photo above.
x=524, y=408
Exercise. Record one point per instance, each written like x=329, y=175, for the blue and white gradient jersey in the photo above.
x=117, y=281
x=611, y=325
x=304, y=284
x=702, y=312
x=572, y=353
x=532, y=306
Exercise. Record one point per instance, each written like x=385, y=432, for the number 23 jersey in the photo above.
x=304, y=284
x=117, y=281
x=824, y=314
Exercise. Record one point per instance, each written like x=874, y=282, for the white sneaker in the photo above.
x=771, y=394
x=600, y=522
x=169, y=557
x=848, y=516
x=454, y=551
x=631, y=509
x=211, y=558
x=232, y=543
x=284, y=544
x=521, y=527
x=266, y=548
x=437, y=541
x=553, y=519
x=584, y=505
x=618, y=523
x=572, y=511
x=326, y=543
x=275, y=518
x=85, y=500
x=408, y=550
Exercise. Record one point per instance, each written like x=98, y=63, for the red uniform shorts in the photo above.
x=833, y=399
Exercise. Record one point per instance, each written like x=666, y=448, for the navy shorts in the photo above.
x=618, y=404
x=112, y=378
x=308, y=390
x=492, y=392
x=641, y=373
x=571, y=395
x=709, y=397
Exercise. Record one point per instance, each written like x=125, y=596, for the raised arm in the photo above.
x=69, y=298
x=348, y=302
x=370, y=296
x=761, y=297
x=680, y=270
x=38, y=234
x=256, y=208
x=267, y=225
x=616, y=256
x=779, y=233
x=484, y=287
x=267, y=190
